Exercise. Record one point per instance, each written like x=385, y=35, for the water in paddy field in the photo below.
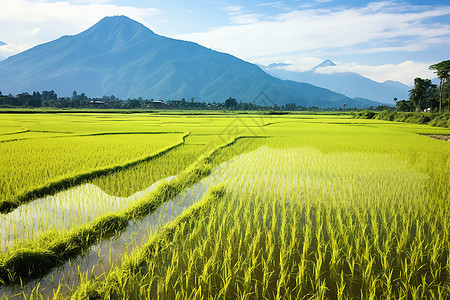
x=64, y=210
x=100, y=258
x=289, y=174
x=80, y=205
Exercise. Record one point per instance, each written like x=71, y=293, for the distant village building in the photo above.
x=96, y=103
x=155, y=104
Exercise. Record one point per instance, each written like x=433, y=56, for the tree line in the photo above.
x=426, y=96
x=50, y=99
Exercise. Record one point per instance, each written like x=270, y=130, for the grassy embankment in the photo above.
x=29, y=259
x=432, y=119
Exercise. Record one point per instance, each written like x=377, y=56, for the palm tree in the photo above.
x=442, y=71
x=422, y=91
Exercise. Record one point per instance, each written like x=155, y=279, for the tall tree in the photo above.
x=230, y=103
x=36, y=101
x=422, y=93
x=404, y=105
x=49, y=95
x=442, y=71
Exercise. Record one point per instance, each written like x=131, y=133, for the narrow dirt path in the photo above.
x=443, y=137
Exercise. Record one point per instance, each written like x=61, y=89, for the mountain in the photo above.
x=121, y=57
x=350, y=84
x=325, y=63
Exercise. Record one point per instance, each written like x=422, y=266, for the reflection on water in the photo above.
x=64, y=210
x=289, y=174
x=100, y=258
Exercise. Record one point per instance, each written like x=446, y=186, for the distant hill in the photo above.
x=350, y=84
x=325, y=63
x=121, y=57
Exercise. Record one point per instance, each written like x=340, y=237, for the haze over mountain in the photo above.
x=121, y=57
x=348, y=83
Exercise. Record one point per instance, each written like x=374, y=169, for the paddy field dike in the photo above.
x=222, y=206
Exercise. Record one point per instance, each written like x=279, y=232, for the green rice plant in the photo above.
x=355, y=227
x=63, y=245
x=92, y=289
x=126, y=182
x=50, y=166
x=323, y=207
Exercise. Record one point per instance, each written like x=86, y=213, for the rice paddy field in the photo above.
x=222, y=206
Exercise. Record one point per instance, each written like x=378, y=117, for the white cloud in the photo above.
x=74, y=1
x=276, y=4
x=297, y=64
x=91, y=1
x=245, y=19
x=233, y=10
x=404, y=72
x=34, y=31
x=324, y=29
x=273, y=4
x=24, y=23
x=379, y=27
x=239, y=16
x=7, y=50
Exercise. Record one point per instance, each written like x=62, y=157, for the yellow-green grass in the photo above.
x=105, y=194
x=126, y=182
x=43, y=151
x=326, y=211
x=326, y=207
x=31, y=167
x=156, y=242
x=24, y=135
x=30, y=258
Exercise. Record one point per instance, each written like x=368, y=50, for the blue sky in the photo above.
x=383, y=40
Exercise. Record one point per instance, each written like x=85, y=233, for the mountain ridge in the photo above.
x=350, y=84
x=119, y=56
